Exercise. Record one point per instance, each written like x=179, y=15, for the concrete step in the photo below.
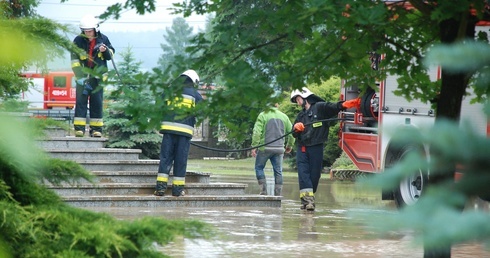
x=151, y=201
x=101, y=154
x=124, y=189
x=55, y=132
x=120, y=165
x=123, y=180
x=146, y=177
x=71, y=142
x=143, y=177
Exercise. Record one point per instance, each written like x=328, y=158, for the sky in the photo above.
x=72, y=11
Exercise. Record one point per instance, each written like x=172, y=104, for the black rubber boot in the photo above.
x=178, y=190
x=160, y=188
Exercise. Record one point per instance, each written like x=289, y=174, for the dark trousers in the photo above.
x=309, y=165
x=174, y=149
x=96, y=97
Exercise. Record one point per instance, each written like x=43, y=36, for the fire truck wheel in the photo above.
x=410, y=188
x=366, y=108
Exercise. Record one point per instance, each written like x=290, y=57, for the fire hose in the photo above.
x=228, y=150
x=112, y=60
x=264, y=144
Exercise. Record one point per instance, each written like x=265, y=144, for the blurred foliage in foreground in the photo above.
x=36, y=223
x=437, y=217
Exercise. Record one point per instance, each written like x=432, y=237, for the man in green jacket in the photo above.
x=269, y=126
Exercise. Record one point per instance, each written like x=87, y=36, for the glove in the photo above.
x=87, y=89
x=80, y=81
x=351, y=103
x=299, y=127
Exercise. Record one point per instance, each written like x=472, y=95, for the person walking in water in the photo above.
x=270, y=125
x=311, y=134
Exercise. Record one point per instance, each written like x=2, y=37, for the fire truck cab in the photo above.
x=363, y=139
x=51, y=90
x=363, y=134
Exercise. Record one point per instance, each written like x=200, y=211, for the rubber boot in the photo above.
x=308, y=202
x=263, y=187
x=303, y=203
x=160, y=188
x=277, y=190
x=178, y=190
x=310, y=205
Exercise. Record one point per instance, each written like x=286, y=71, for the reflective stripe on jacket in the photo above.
x=183, y=126
x=99, y=59
x=316, y=132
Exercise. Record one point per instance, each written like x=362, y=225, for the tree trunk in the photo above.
x=453, y=88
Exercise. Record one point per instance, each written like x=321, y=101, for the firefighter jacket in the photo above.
x=316, y=132
x=174, y=121
x=269, y=126
x=91, y=57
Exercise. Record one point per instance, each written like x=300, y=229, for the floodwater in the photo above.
x=329, y=231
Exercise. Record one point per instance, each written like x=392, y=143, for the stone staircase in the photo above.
x=124, y=180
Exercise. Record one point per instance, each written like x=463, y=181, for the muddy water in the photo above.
x=290, y=232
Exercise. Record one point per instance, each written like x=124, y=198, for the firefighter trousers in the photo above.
x=174, y=151
x=309, y=161
x=96, y=97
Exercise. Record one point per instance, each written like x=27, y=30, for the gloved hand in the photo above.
x=351, y=103
x=80, y=81
x=100, y=47
x=299, y=127
x=87, y=88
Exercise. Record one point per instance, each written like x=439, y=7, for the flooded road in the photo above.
x=291, y=232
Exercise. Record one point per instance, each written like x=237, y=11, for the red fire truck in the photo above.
x=50, y=90
x=364, y=139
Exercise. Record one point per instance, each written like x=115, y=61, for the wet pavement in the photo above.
x=291, y=232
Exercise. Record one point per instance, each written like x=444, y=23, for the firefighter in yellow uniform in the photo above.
x=90, y=68
x=177, y=134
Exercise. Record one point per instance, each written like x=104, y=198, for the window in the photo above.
x=59, y=81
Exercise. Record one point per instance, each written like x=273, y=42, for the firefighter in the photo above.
x=177, y=128
x=311, y=134
x=90, y=69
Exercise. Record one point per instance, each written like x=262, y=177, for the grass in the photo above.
x=239, y=167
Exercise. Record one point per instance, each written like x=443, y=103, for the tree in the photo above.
x=31, y=41
x=131, y=87
x=178, y=38
x=18, y=8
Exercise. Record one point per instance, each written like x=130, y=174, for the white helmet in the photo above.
x=304, y=93
x=89, y=22
x=193, y=75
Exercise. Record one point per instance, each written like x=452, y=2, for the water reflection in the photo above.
x=291, y=232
